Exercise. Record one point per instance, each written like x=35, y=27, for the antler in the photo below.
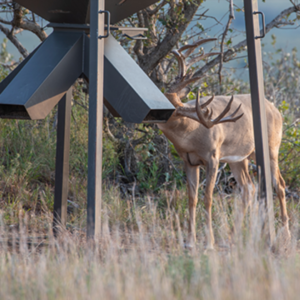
x=205, y=117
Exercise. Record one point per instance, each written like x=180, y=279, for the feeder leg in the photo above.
x=94, y=194
x=259, y=111
x=62, y=163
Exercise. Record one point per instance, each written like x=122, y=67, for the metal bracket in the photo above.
x=132, y=33
x=135, y=37
x=263, y=23
x=107, y=24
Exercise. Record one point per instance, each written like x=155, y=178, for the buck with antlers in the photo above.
x=202, y=140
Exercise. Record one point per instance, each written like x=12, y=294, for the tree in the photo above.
x=168, y=22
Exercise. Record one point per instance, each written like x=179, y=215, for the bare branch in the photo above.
x=19, y=22
x=231, y=17
x=242, y=45
x=281, y=24
x=138, y=47
x=209, y=17
x=152, y=12
x=35, y=28
x=191, y=48
x=5, y=21
x=109, y=133
x=179, y=86
x=17, y=9
x=200, y=57
x=8, y=66
x=150, y=60
x=14, y=40
x=183, y=79
x=231, y=9
x=294, y=5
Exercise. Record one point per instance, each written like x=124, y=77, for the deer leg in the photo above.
x=192, y=174
x=279, y=185
x=211, y=175
x=241, y=174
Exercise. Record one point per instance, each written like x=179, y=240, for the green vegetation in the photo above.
x=137, y=160
x=141, y=252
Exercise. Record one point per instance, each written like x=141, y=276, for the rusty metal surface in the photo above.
x=59, y=11
x=129, y=7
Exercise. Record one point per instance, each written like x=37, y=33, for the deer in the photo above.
x=218, y=129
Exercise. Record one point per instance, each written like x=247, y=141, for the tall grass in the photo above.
x=140, y=255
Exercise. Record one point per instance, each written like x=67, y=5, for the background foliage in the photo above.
x=137, y=159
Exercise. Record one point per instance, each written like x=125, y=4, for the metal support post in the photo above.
x=95, y=118
x=62, y=162
x=258, y=109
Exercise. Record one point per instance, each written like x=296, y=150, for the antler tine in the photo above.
x=227, y=119
x=224, y=112
x=206, y=112
x=205, y=117
x=231, y=118
x=211, y=113
x=202, y=117
x=186, y=112
x=207, y=102
x=182, y=110
x=181, y=63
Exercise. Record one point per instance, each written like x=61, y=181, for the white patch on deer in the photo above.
x=233, y=158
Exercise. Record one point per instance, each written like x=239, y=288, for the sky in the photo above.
x=286, y=38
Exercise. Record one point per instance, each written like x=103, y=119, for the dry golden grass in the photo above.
x=140, y=255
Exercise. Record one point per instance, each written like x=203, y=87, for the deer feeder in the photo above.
x=73, y=50
x=39, y=82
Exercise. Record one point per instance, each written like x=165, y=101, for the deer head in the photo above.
x=201, y=113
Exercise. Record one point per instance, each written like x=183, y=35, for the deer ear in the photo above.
x=174, y=99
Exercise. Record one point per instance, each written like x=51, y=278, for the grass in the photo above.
x=140, y=255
